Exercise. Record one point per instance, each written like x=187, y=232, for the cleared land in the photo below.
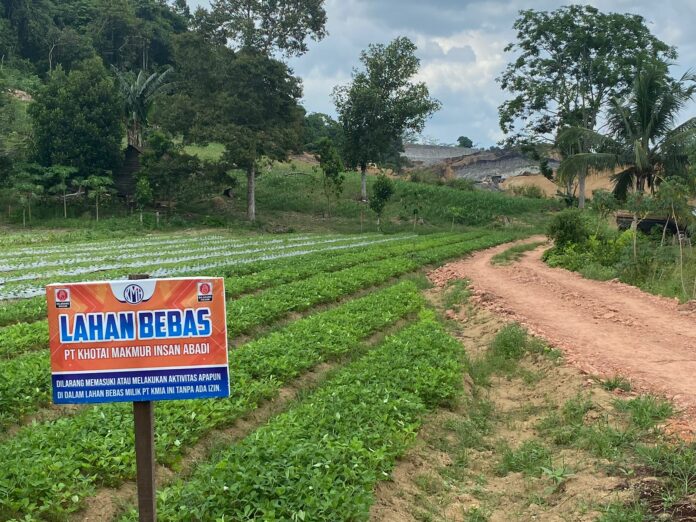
x=605, y=328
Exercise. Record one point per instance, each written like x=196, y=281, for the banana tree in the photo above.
x=643, y=145
x=139, y=95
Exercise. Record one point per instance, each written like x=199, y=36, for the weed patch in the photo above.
x=617, y=512
x=514, y=253
x=530, y=458
x=617, y=383
x=457, y=293
x=676, y=463
x=646, y=411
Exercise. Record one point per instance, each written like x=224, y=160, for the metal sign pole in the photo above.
x=144, y=423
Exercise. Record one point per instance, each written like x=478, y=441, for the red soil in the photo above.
x=604, y=328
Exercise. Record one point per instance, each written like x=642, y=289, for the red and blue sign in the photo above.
x=145, y=340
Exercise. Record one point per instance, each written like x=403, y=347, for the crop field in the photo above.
x=347, y=304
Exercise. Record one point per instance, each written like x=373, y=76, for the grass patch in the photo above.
x=530, y=458
x=428, y=483
x=537, y=346
x=617, y=383
x=617, y=512
x=470, y=432
x=602, y=438
x=456, y=294
x=607, y=441
x=510, y=344
x=514, y=253
x=676, y=464
x=645, y=411
x=475, y=514
x=672, y=498
x=565, y=427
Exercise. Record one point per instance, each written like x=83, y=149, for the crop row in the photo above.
x=19, y=338
x=25, y=262
x=26, y=385
x=36, y=287
x=42, y=263
x=48, y=468
x=163, y=261
x=320, y=460
x=34, y=308
x=137, y=244
x=22, y=310
x=250, y=311
x=307, y=266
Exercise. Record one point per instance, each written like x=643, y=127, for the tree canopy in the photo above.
x=130, y=34
x=464, y=141
x=568, y=65
x=77, y=119
x=268, y=26
x=245, y=100
x=644, y=142
x=382, y=103
x=318, y=126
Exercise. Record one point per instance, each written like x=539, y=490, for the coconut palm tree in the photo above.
x=139, y=96
x=643, y=146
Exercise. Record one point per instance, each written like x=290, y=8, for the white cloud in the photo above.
x=461, y=46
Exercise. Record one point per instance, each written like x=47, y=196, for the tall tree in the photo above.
x=127, y=33
x=245, y=100
x=166, y=172
x=261, y=118
x=138, y=96
x=382, y=103
x=643, y=141
x=31, y=21
x=269, y=26
x=76, y=119
x=569, y=64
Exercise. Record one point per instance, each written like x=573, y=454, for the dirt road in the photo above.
x=605, y=328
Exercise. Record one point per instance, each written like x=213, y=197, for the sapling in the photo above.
x=382, y=191
x=100, y=188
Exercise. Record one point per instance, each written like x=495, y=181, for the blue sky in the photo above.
x=461, y=46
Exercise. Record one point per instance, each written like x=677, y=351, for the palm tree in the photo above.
x=139, y=96
x=643, y=146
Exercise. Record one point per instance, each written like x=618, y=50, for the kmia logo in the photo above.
x=133, y=294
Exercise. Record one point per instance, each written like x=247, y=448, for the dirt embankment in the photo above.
x=604, y=328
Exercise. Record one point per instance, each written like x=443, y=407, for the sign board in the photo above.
x=139, y=340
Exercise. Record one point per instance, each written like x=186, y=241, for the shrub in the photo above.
x=461, y=184
x=510, y=343
x=568, y=227
x=528, y=191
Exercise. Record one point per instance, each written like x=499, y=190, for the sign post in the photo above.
x=139, y=341
x=144, y=430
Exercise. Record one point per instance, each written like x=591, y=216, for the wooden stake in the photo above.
x=144, y=417
x=144, y=423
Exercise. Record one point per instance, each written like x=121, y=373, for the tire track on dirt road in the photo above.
x=604, y=327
